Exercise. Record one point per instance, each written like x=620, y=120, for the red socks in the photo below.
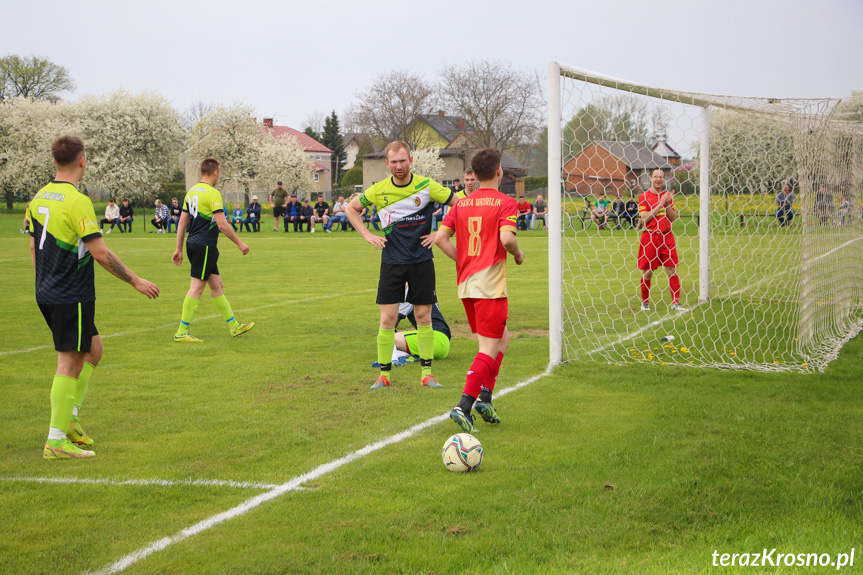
x=674, y=284
x=479, y=374
x=495, y=370
x=645, y=290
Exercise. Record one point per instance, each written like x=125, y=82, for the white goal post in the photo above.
x=769, y=234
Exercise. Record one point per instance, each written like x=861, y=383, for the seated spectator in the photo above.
x=524, y=211
x=253, y=216
x=437, y=215
x=293, y=209
x=618, y=209
x=26, y=224
x=540, y=212
x=112, y=216
x=339, y=215
x=126, y=217
x=160, y=217
x=237, y=217
x=631, y=213
x=376, y=219
x=307, y=212
x=599, y=215
x=322, y=213
x=176, y=211
x=784, y=206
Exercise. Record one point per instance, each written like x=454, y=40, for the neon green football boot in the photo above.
x=64, y=449
x=77, y=435
x=242, y=329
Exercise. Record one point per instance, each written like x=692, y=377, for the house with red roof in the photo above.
x=321, y=156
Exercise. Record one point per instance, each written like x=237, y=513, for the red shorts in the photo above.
x=657, y=250
x=487, y=317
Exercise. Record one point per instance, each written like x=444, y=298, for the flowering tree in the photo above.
x=428, y=163
x=132, y=141
x=284, y=160
x=26, y=131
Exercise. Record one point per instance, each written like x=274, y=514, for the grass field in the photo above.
x=595, y=468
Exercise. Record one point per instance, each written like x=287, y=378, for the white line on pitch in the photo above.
x=167, y=325
x=292, y=485
x=146, y=482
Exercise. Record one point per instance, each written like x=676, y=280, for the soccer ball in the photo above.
x=462, y=452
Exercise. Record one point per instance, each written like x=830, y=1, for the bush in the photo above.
x=353, y=177
x=535, y=182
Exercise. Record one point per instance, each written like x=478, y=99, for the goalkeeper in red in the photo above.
x=658, y=246
x=485, y=225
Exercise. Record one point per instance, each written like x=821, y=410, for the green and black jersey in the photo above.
x=202, y=202
x=406, y=216
x=61, y=220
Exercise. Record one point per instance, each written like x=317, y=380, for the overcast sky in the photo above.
x=290, y=59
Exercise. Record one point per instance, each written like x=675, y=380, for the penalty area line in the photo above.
x=294, y=484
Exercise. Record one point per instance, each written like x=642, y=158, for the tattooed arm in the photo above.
x=109, y=260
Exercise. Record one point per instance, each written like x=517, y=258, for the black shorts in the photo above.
x=71, y=324
x=278, y=211
x=204, y=260
x=419, y=277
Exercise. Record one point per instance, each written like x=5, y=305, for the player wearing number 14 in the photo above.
x=204, y=215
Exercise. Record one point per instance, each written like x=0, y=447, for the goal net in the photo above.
x=769, y=234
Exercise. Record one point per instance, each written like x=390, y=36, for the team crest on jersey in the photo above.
x=417, y=201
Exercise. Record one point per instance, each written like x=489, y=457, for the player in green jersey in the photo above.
x=64, y=240
x=204, y=216
x=405, y=204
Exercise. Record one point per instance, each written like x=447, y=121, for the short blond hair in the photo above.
x=394, y=147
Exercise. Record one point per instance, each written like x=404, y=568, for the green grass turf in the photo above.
x=595, y=469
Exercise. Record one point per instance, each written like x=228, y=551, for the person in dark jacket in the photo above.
x=253, y=215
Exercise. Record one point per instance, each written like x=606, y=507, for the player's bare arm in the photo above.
x=177, y=258
x=443, y=240
x=226, y=229
x=671, y=211
x=353, y=212
x=111, y=262
x=510, y=244
x=33, y=252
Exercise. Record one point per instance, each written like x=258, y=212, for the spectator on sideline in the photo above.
x=376, y=219
x=292, y=213
x=127, y=214
x=524, y=210
x=237, y=217
x=278, y=199
x=824, y=205
x=437, y=215
x=307, y=212
x=618, y=208
x=176, y=210
x=631, y=213
x=785, y=206
x=540, y=211
x=322, y=213
x=844, y=209
x=599, y=215
x=339, y=215
x=160, y=217
x=457, y=189
x=253, y=216
x=112, y=216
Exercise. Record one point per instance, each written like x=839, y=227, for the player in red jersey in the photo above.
x=658, y=246
x=484, y=223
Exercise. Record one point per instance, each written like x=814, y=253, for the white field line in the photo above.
x=292, y=485
x=145, y=482
x=27, y=259
x=173, y=324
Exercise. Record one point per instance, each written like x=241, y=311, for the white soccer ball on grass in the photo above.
x=462, y=453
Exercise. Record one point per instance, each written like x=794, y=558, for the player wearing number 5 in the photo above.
x=65, y=239
x=485, y=225
x=204, y=216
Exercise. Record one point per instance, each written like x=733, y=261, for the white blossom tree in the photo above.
x=132, y=141
x=429, y=164
x=27, y=129
x=283, y=160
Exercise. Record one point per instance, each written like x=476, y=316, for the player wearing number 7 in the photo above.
x=204, y=215
x=485, y=225
x=64, y=240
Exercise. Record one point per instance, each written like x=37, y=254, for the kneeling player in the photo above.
x=485, y=223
